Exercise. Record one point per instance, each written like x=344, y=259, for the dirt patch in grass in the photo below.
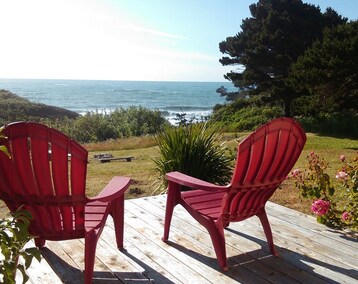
x=288, y=196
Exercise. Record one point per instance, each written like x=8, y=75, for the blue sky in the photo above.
x=160, y=40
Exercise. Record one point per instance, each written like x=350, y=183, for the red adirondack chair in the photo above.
x=264, y=159
x=52, y=187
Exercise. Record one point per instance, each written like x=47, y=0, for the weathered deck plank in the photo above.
x=308, y=252
x=248, y=236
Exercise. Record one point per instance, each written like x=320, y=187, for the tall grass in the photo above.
x=130, y=143
x=193, y=150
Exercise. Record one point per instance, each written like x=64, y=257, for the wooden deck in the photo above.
x=308, y=252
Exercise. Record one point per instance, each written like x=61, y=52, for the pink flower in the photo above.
x=342, y=175
x=320, y=207
x=296, y=172
x=342, y=157
x=345, y=216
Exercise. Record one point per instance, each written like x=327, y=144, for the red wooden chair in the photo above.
x=52, y=187
x=264, y=160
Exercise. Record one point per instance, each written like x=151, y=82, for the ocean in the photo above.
x=196, y=99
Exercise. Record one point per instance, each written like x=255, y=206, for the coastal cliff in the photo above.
x=15, y=108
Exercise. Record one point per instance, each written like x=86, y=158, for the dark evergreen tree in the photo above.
x=271, y=40
x=329, y=70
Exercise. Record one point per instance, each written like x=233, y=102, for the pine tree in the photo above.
x=270, y=41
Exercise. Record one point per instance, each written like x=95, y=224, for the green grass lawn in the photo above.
x=144, y=178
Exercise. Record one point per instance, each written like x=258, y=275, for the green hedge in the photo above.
x=336, y=125
x=95, y=126
x=243, y=115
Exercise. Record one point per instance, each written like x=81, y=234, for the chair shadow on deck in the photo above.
x=67, y=273
x=71, y=275
x=347, y=236
x=300, y=260
x=252, y=260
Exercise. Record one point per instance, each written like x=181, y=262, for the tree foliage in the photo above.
x=328, y=71
x=270, y=41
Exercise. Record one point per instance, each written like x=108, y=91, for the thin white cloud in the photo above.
x=180, y=55
x=149, y=31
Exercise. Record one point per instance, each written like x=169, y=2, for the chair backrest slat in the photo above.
x=59, y=162
x=270, y=155
x=41, y=161
x=47, y=174
x=21, y=163
x=257, y=152
x=78, y=169
x=264, y=160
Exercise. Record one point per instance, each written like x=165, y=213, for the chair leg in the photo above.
x=216, y=232
x=118, y=220
x=90, y=251
x=267, y=229
x=40, y=242
x=172, y=200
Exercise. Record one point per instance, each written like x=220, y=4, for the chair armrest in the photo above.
x=192, y=182
x=114, y=189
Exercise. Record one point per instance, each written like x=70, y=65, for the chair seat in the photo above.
x=207, y=203
x=95, y=214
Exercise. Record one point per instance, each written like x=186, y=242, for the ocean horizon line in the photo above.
x=115, y=80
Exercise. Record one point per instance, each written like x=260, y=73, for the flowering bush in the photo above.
x=320, y=207
x=335, y=202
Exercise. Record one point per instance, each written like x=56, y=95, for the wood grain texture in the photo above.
x=308, y=252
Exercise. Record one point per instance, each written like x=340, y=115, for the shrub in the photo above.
x=335, y=203
x=335, y=124
x=137, y=121
x=192, y=149
x=121, y=123
x=244, y=114
x=93, y=127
